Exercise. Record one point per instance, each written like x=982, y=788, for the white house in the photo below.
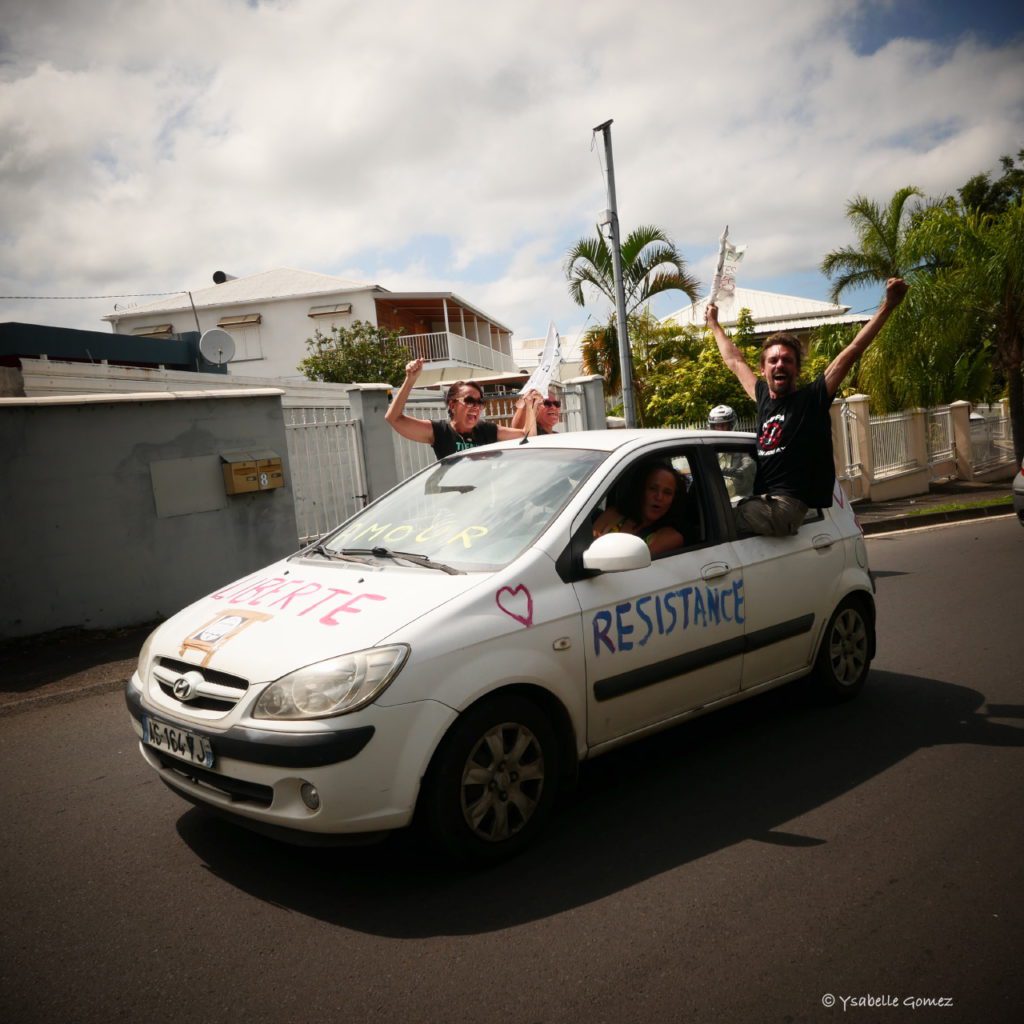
x=771, y=312
x=271, y=314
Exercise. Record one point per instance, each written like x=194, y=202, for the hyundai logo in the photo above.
x=184, y=688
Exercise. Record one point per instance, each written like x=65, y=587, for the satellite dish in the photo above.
x=217, y=346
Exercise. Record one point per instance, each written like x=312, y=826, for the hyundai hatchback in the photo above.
x=454, y=651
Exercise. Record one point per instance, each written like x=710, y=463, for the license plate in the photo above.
x=177, y=742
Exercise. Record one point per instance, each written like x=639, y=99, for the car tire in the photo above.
x=492, y=783
x=844, y=658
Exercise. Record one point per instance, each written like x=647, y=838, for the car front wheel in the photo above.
x=493, y=781
x=846, y=648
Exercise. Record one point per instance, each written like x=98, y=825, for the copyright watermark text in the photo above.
x=875, y=1002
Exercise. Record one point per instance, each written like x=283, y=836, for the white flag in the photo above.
x=729, y=258
x=551, y=357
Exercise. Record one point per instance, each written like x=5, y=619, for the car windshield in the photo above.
x=474, y=511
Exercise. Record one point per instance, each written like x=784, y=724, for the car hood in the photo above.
x=295, y=613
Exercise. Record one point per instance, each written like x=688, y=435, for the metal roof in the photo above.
x=771, y=311
x=282, y=283
x=431, y=303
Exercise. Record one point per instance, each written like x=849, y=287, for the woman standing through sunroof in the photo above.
x=465, y=426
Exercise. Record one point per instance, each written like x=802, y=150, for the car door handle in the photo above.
x=823, y=540
x=713, y=570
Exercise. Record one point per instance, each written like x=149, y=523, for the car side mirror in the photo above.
x=617, y=552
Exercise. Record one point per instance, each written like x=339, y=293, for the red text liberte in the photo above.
x=298, y=597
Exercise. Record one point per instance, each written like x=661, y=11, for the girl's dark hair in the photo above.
x=453, y=392
x=629, y=497
x=781, y=338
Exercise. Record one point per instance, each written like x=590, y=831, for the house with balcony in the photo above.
x=270, y=315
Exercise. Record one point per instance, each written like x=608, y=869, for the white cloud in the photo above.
x=143, y=145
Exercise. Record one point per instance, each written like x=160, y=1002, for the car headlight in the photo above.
x=333, y=687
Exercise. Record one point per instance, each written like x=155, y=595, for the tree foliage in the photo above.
x=651, y=265
x=881, y=250
x=358, y=354
x=959, y=334
x=984, y=195
x=684, y=377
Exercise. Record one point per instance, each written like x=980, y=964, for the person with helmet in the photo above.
x=738, y=468
x=795, y=467
x=722, y=417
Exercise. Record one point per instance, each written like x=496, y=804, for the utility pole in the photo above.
x=611, y=221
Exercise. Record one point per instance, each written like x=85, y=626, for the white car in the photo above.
x=455, y=650
x=1018, y=493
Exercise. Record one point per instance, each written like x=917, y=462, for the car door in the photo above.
x=789, y=582
x=665, y=639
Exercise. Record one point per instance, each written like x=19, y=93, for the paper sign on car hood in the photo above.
x=293, y=614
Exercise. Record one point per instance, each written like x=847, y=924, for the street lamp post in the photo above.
x=611, y=220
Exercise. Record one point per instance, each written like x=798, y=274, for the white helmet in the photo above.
x=723, y=417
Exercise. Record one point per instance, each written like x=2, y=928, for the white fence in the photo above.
x=853, y=464
x=991, y=443
x=940, y=435
x=748, y=423
x=893, y=450
x=891, y=444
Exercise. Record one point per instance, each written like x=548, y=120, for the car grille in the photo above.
x=237, y=790
x=210, y=690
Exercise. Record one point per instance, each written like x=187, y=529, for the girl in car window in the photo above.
x=650, y=505
x=464, y=427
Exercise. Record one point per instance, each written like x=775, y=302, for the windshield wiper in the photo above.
x=326, y=552
x=406, y=556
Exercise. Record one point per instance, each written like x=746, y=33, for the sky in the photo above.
x=449, y=146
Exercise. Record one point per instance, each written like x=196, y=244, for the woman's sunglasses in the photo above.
x=471, y=401
x=551, y=403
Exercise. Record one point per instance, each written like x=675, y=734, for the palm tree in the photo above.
x=984, y=281
x=881, y=249
x=651, y=264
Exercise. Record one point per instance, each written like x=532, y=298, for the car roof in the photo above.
x=613, y=440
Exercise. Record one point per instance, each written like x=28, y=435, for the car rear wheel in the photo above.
x=846, y=648
x=492, y=783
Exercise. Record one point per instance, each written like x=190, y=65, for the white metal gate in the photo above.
x=325, y=452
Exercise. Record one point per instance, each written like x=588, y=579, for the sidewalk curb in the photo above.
x=909, y=522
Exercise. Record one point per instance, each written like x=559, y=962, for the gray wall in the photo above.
x=114, y=511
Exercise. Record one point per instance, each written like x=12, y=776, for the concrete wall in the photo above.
x=114, y=507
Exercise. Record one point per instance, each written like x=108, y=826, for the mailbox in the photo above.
x=245, y=472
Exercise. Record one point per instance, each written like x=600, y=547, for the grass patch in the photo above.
x=957, y=506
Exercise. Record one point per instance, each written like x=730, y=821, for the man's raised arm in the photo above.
x=835, y=374
x=731, y=355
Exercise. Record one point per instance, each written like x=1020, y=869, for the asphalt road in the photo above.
x=745, y=867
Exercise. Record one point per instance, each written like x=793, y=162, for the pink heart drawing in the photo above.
x=511, y=599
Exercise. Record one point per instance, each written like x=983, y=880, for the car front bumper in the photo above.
x=366, y=774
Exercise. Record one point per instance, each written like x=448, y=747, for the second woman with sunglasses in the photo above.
x=464, y=427
x=537, y=415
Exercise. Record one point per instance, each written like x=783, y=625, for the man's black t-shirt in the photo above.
x=448, y=440
x=794, y=444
